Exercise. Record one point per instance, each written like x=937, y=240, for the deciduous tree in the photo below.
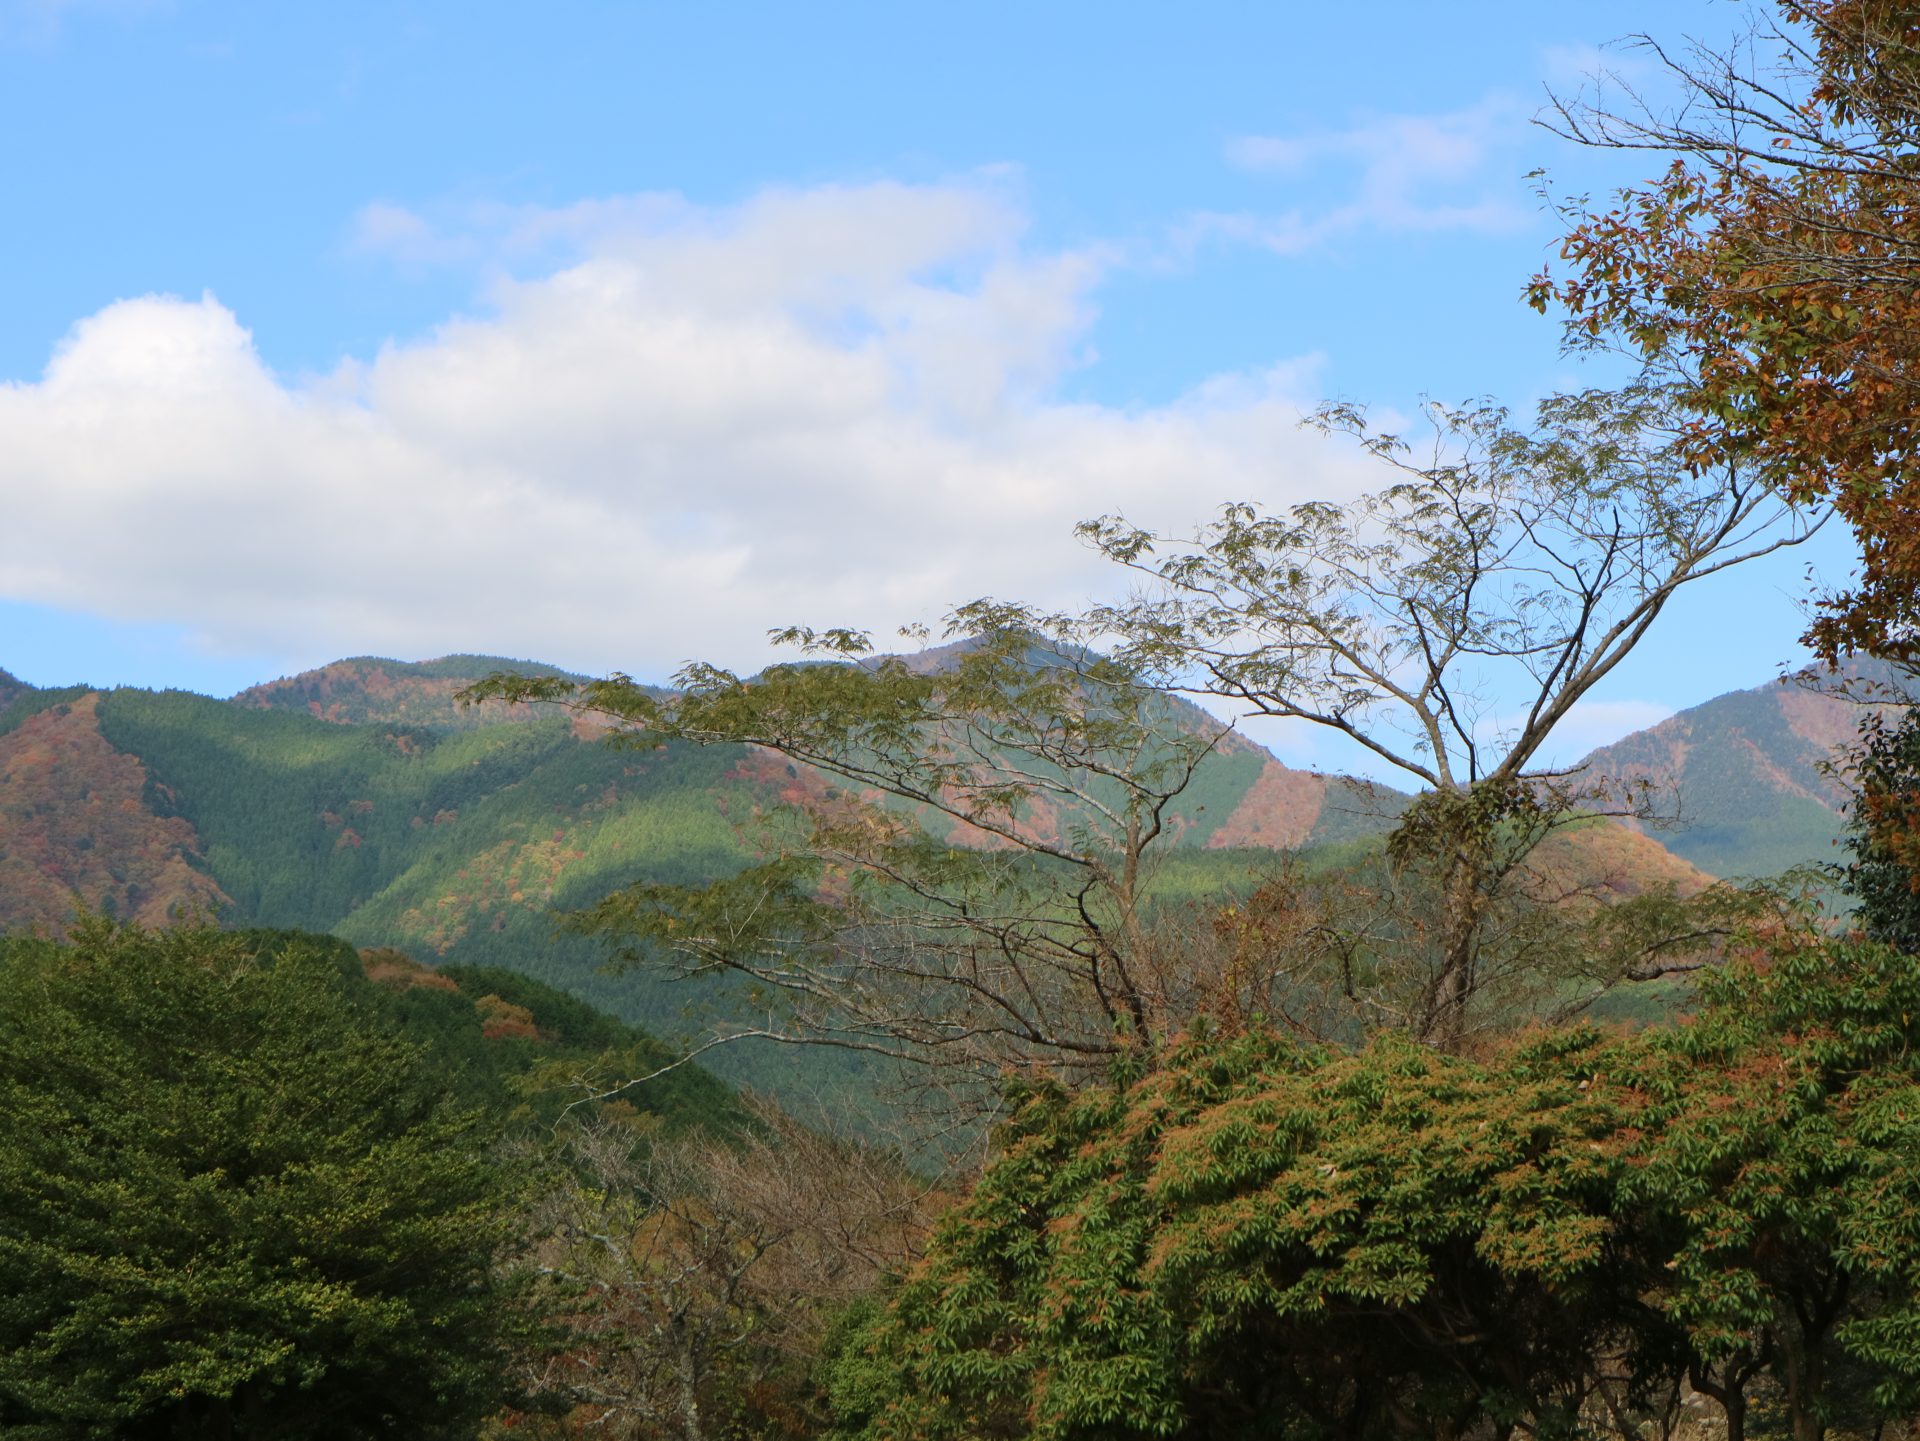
x=965, y=872
x=1451, y=621
x=1779, y=254
x=1883, y=876
x=1266, y=1240
x=979, y=885
x=692, y=1276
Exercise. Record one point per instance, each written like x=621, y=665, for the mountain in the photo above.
x=1610, y=861
x=456, y=844
x=11, y=689
x=361, y=800
x=1243, y=797
x=1748, y=773
x=371, y=690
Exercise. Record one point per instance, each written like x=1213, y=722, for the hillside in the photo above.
x=486, y=1030
x=76, y=828
x=1746, y=773
x=487, y=1026
x=1243, y=796
x=455, y=844
x=361, y=800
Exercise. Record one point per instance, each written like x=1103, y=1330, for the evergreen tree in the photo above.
x=231, y=1204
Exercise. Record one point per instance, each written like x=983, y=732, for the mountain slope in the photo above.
x=1242, y=797
x=1747, y=774
x=360, y=800
x=486, y=1026
x=77, y=828
x=446, y=835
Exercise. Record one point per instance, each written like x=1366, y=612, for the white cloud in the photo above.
x=1628, y=61
x=393, y=231
x=828, y=406
x=1393, y=173
x=1595, y=723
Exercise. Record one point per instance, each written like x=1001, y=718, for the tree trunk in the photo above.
x=687, y=1376
x=1444, y=1025
x=1805, y=1383
x=1730, y=1391
x=1734, y=1405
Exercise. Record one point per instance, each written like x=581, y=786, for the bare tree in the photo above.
x=1448, y=623
x=1778, y=249
x=1798, y=117
x=967, y=871
x=685, y=1270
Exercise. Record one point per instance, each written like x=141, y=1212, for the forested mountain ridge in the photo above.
x=1749, y=775
x=1246, y=798
x=361, y=799
x=365, y=690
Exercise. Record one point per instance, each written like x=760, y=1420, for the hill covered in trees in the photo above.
x=260, y=1183
x=1750, y=778
x=363, y=799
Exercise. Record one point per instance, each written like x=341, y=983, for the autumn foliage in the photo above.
x=1264, y=1239
x=1773, y=266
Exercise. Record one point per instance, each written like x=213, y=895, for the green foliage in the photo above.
x=469, y=667
x=461, y=847
x=1261, y=1240
x=965, y=874
x=1543, y=553
x=455, y=846
x=1780, y=1136
x=1884, y=830
x=1793, y=831
x=31, y=703
x=231, y=1204
x=580, y=1050
x=302, y=821
x=563, y=1052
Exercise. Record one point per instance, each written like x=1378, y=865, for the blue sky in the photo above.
x=614, y=334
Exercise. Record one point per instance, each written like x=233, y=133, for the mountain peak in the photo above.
x=363, y=690
x=1749, y=773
